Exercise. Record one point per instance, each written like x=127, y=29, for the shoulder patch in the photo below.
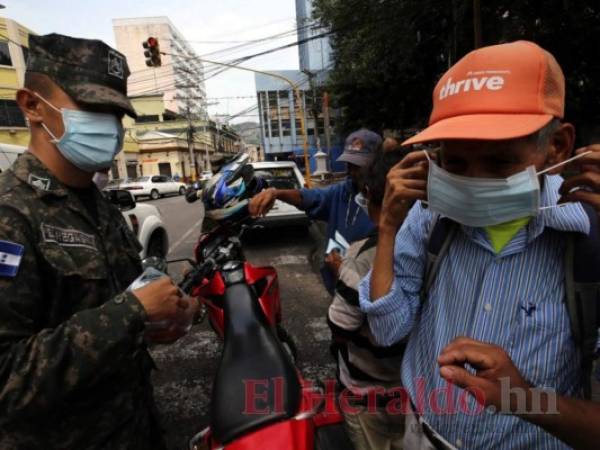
x=68, y=237
x=10, y=258
x=39, y=182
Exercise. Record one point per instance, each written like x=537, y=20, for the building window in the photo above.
x=10, y=114
x=147, y=118
x=275, y=128
x=5, y=54
x=25, y=54
x=285, y=127
x=273, y=100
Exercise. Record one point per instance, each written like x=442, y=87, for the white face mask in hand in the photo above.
x=100, y=179
x=482, y=202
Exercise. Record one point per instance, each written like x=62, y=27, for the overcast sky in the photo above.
x=199, y=21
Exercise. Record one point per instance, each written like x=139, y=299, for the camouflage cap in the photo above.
x=88, y=70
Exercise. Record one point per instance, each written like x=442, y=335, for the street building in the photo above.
x=158, y=142
x=279, y=113
x=14, y=40
x=315, y=55
x=179, y=78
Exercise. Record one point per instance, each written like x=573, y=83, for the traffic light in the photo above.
x=152, y=52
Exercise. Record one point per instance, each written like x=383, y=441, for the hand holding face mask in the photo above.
x=406, y=183
x=584, y=187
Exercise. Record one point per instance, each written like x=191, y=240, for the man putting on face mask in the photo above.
x=494, y=185
x=74, y=366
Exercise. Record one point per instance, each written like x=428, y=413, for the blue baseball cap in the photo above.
x=360, y=147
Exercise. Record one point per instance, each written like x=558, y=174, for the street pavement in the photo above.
x=183, y=381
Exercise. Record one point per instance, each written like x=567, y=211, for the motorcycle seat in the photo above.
x=256, y=382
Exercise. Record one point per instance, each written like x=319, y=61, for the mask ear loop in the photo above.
x=554, y=167
x=563, y=163
x=425, y=203
x=54, y=138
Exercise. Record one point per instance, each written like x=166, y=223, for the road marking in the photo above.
x=288, y=260
x=179, y=241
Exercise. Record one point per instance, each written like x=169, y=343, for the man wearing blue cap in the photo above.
x=334, y=204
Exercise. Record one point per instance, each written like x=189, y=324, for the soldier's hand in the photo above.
x=161, y=299
x=171, y=330
x=262, y=202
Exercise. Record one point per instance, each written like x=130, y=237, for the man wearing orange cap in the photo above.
x=494, y=185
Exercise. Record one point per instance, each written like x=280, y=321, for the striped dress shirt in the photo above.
x=514, y=299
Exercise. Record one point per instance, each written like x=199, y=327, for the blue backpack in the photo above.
x=582, y=282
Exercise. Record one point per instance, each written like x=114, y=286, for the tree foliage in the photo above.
x=389, y=54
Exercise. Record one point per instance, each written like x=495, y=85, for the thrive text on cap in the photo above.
x=499, y=92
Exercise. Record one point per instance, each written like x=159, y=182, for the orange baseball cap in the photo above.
x=499, y=92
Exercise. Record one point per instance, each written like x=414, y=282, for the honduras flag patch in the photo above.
x=10, y=258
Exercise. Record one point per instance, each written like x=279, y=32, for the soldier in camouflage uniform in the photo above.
x=74, y=368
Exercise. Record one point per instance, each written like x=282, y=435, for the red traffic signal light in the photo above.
x=152, y=52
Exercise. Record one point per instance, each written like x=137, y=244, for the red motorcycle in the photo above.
x=259, y=399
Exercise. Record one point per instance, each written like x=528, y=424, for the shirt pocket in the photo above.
x=79, y=262
x=541, y=344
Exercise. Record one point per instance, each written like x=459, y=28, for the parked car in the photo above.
x=155, y=186
x=9, y=154
x=144, y=220
x=281, y=175
x=115, y=183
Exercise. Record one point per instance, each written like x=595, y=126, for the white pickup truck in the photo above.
x=144, y=220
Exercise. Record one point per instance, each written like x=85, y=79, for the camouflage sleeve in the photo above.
x=39, y=366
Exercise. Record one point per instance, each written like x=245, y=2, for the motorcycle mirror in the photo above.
x=155, y=262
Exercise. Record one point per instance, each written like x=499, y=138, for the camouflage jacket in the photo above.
x=74, y=369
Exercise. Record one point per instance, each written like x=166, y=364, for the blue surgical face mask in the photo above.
x=483, y=202
x=91, y=140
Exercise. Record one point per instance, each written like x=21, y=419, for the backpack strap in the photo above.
x=582, y=286
x=441, y=233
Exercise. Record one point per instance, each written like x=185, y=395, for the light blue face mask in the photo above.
x=483, y=202
x=91, y=140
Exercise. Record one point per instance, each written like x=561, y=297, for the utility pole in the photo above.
x=314, y=110
x=477, y=22
x=208, y=165
x=190, y=139
x=327, y=122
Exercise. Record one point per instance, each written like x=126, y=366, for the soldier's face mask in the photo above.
x=91, y=140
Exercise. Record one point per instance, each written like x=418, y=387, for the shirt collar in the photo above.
x=29, y=169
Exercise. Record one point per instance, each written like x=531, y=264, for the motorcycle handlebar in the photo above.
x=195, y=276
